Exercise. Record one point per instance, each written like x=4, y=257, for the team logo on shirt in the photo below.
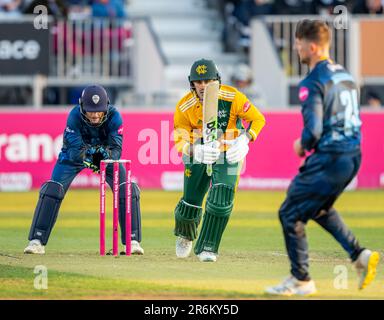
x=69, y=130
x=95, y=99
x=201, y=69
x=246, y=106
x=120, y=130
x=188, y=173
x=303, y=94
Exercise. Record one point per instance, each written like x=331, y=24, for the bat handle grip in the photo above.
x=209, y=170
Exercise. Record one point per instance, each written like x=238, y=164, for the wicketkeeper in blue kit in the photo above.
x=94, y=132
x=330, y=110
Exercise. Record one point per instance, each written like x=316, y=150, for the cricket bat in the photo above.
x=210, y=105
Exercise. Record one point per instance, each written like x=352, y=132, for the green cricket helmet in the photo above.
x=203, y=70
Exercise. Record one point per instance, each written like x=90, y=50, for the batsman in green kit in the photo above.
x=209, y=131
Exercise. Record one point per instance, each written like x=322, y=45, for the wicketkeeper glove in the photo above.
x=90, y=151
x=238, y=149
x=207, y=153
x=93, y=157
x=88, y=164
x=101, y=154
x=104, y=153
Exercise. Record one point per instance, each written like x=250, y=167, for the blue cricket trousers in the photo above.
x=311, y=195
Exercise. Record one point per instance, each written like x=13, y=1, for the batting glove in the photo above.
x=238, y=149
x=207, y=153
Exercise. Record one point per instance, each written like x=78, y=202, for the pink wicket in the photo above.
x=116, y=192
x=102, y=208
x=128, y=212
x=115, y=239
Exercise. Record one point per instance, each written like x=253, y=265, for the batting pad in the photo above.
x=218, y=209
x=187, y=220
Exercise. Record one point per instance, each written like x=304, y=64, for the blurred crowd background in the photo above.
x=141, y=50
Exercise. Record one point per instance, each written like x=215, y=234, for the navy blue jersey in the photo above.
x=330, y=109
x=78, y=136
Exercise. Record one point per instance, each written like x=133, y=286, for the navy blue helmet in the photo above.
x=94, y=98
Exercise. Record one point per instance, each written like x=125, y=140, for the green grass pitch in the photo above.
x=252, y=253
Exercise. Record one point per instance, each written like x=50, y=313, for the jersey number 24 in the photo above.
x=348, y=99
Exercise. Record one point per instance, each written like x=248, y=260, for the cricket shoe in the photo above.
x=291, y=286
x=183, y=247
x=207, y=256
x=135, y=248
x=365, y=265
x=34, y=247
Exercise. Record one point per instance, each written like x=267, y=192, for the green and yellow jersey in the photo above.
x=233, y=108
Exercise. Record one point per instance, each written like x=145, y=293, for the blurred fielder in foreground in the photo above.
x=210, y=113
x=94, y=132
x=330, y=110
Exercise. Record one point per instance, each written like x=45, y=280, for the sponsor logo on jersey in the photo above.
x=246, y=106
x=334, y=67
x=303, y=94
x=222, y=114
x=222, y=125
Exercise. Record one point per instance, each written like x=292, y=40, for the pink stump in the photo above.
x=128, y=215
x=102, y=208
x=115, y=248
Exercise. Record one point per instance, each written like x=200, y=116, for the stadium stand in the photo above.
x=141, y=50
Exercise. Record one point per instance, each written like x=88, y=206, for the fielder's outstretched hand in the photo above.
x=238, y=149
